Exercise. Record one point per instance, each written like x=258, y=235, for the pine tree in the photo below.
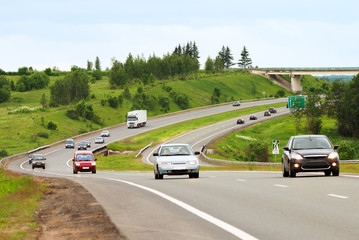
x=97, y=64
x=245, y=59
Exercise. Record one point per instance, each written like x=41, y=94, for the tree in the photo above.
x=313, y=111
x=43, y=101
x=245, y=59
x=97, y=64
x=5, y=87
x=118, y=75
x=23, y=71
x=89, y=65
x=228, y=58
x=209, y=65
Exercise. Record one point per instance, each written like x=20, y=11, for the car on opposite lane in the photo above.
x=38, y=160
x=240, y=121
x=176, y=159
x=253, y=117
x=105, y=133
x=267, y=113
x=99, y=140
x=236, y=104
x=310, y=153
x=84, y=161
x=272, y=110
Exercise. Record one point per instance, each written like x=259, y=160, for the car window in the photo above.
x=175, y=150
x=84, y=157
x=311, y=143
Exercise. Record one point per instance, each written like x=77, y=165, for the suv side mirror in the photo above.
x=73, y=159
x=197, y=153
x=336, y=147
x=286, y=149
x=95, y=159
x=155, y=154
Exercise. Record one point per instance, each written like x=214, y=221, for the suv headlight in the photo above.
x=77, y=164
x=333, y=156
x=296, y=156
x=192, y=162
x=93, y=164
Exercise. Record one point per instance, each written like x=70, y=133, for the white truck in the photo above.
x=136, y=118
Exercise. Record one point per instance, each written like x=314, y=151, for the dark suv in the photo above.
x=310, y=153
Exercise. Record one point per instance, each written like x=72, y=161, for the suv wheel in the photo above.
x=292, y=174
x=335, y=172
x=327, y=172
x=74, y=171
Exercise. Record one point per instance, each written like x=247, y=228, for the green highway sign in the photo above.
x=296, y=102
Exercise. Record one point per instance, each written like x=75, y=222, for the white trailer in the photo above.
x=136, y=118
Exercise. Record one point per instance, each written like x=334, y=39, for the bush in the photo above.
x=3, y=153
x=43, y=135
x=113, y=102
x=281, y=93
x=346, y=152
x=73, y=114
x=51, y=126
x=258, y=151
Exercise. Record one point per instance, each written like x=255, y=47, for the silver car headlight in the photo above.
x=192, y=162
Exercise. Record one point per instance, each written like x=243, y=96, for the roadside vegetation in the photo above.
x=19, y=198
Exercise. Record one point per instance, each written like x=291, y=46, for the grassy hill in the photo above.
x=24, y=121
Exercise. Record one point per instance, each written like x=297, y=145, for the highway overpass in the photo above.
x=296, y=73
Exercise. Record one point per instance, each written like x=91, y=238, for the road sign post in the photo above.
x=275, y=148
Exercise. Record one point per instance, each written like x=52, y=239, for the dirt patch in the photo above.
x=68, y=211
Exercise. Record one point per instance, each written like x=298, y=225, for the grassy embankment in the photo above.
x=235, y=146
x=19, y=198
x=23, y=118
x=128, y=162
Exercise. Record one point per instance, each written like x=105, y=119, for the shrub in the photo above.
x=73, y=114
x=346, y=152
x=43, y=134
x=281, y=93
x=113, y=102
x=258, y=151
x=51, y=126
x=3, y=153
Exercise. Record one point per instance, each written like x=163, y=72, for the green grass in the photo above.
x=19, y=197
x=234, y=146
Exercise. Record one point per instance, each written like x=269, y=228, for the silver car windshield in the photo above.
x=84, y=157
x=311, y=143
x=175, y=150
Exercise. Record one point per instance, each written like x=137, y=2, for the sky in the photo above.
x=276, y=33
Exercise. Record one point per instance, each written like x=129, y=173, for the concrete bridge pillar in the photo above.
x=295, y=79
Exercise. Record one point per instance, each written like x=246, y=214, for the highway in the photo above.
x=217, y=205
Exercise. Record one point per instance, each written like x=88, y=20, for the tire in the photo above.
x=335, y=172
x=43, y=167
x=196, y=175
x=285, y=172
x=190, y=175
x=93, y=172
x=327, y=172
x=292, y=174
x=156, y=176
x=160, y=176
x=33, y=167
x=74, y=171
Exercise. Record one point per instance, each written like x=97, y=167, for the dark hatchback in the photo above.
x=310, y=153
x=240, y=121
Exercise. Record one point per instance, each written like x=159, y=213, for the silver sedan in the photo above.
x=176, y=159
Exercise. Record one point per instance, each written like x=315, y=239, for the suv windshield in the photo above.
x=84, y=157
x=311, y=143
x=175, y=150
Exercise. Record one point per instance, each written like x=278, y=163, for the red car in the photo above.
x=84, y=161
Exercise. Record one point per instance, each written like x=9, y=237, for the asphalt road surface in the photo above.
x=217, y=205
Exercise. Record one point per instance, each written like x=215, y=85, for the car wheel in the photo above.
x=33, y=167
x=285, y=172
x=75, y=172
x=190, y=175
x=335, y=172
x=156, y=176
x=327, y=173
x=43, y=167
x=94, y=172
x=160, y=176
x=196, y=175
x=292, y=174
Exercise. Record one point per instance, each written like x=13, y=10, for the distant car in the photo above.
x=99, y=140
x=84, y=161
x=82, y=146
x=70, y=143
x=236, y=104
x=88, y=143
x=272, y=110
x=253, y=117
x=176, y=159
x=38, y=160
x=240, y=121
x=105, y=134
x=267, y=113
x=310, y=153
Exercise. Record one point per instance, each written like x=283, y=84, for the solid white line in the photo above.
x=279, y=185
x=353, y=176
x=219, y=223
x=338, y=196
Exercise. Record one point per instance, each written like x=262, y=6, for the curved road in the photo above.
x=218, y=205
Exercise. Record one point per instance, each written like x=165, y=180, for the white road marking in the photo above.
x=219, y=223
x=353, y=176
x=338, y=196
x=241, y=180
x=279, y=185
